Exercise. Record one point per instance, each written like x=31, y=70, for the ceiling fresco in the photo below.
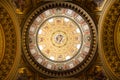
x=59, y=39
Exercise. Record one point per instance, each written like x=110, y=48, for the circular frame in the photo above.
x=65, y=73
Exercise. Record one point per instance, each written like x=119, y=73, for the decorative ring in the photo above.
x=59, y=39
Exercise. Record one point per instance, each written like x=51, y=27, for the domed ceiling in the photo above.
x=58, y=38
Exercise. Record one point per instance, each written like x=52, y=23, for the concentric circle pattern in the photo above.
x=56, y=36
x=60, y=39
x=61, y=35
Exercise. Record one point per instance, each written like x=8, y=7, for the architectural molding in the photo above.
x=108, y=53
x=10, y=61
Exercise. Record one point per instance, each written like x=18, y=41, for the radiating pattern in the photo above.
x=59, y=39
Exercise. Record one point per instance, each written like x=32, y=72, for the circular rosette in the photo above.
x=59, y=39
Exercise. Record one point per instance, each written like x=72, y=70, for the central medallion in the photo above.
x=59, y=39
